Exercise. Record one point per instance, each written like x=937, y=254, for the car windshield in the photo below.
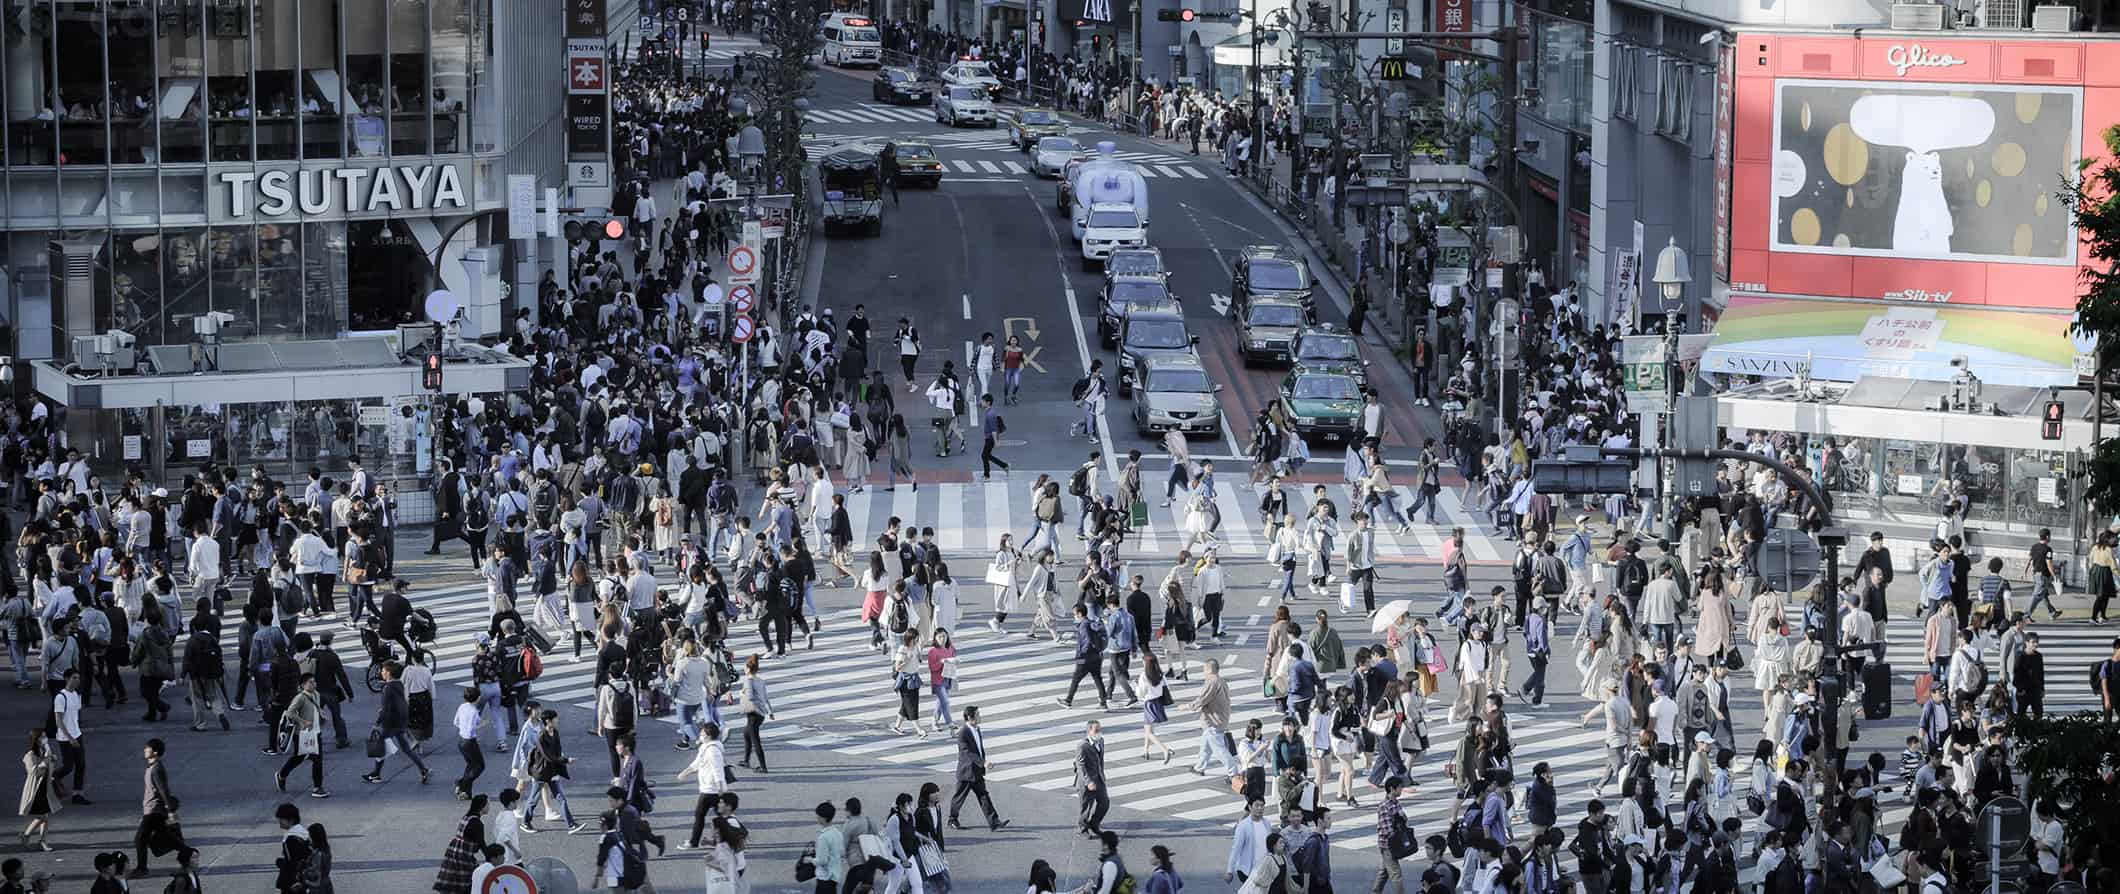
x=967, y=94
x=1157, y=335
x=1276, y=275
x=1275, y=315
x=1124, y=292
x=859, y=35
x=1134, y=262
x=916, y=152
x=1038, y=116
x=1191, y=381
x=973, y=71
x=1324, y=388
x=1327, y=347
x=1116, y=219
x=1057, y=144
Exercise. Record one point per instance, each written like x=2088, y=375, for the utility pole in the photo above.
x=1258, y=116
x=1505, y=169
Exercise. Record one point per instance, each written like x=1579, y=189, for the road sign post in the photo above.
x=743, y=264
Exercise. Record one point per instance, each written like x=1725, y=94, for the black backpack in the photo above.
x=898, y=617
x=1080, y=390
x=1078, y=483
x=1097, y=636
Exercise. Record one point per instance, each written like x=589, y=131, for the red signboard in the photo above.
x=1453, y=15
x=585, y=73
x=1912, y=169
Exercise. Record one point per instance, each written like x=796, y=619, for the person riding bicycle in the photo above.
x=391, y=614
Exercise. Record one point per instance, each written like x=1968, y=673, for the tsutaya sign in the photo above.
x=298, y=193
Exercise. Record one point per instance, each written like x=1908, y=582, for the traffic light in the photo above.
x=1174, y=15
x=431, y=371
x=2050, y=421
x=615, y=228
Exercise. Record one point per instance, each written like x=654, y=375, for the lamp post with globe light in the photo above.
x=1673, y=272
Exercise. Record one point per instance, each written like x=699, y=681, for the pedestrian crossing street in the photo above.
x=949, y=147
x=838, y=697
x=2071, y=647
x=971, y=517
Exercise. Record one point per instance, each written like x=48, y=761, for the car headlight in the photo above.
x=1258, y=344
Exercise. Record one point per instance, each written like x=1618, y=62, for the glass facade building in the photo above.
x=312, y=168
x=296, y=163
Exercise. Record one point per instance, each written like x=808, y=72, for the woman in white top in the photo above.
x=688, y=678
x=944, y=594
x=1471, y=668
x=1002, y=575
x=726, y=860
x=1285, y=550
x=1040, y=586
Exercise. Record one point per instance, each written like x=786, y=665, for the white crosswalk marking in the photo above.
x=967, y=514
x=1166, y=170
x=990, y=167
x=1149, y=172
x=1015, y=168
x=964, y=166
x=1193, y=173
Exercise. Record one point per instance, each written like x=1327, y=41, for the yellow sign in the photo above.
x=1393, y=68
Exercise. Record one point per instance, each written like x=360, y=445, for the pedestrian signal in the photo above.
x=2050, y=423
x=431, y=371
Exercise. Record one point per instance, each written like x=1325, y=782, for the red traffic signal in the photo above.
x=431, y=371
x=1174, y=15
x=615, y=228
x=2050, y=422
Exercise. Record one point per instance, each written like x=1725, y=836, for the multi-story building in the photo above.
x=307, y=170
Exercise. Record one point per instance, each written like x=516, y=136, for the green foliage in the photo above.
x=2094, y=199
x=2065, y=758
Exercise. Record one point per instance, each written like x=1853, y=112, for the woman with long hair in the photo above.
x=1155, y=704
x=463, y=853
x=875, y=587
x=1041, y=587
x=1003, y=573
x=319, y=861
x=942, y=675
x=581, y=605
x=40, y=798
x=905, y=680
x=1346, y=740
x=757, y=709
x=901, y=445
x=1179, y=624
x=943, y=593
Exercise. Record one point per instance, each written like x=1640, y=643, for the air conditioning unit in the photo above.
x=2001, y=15
x=1919, y=17
x=2053, y=17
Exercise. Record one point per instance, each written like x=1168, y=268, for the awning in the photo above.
x=1846, y=340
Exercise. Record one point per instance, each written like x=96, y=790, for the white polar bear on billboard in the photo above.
x=1925, y=124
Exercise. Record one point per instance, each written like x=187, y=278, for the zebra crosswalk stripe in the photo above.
x=973, y=516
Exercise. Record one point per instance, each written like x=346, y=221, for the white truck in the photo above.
x=1103, y=180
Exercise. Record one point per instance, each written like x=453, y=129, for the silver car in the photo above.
x=956, y=106
x=1053, y=153
x=1176, y=394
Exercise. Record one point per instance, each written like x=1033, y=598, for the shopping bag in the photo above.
x=999, y=576
x=1346, y=595
x=1137, y=514
x=1922, y=684
x=1886, y=873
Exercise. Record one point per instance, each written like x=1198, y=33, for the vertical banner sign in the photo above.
x=522, y=206
x=1453, y=15
x=586, y=18
x=1395, y=22
x=1725, y=124
x=588, y=125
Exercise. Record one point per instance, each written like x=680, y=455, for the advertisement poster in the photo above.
x=1962, y=172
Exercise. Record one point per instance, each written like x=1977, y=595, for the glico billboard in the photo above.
x=1914, y=168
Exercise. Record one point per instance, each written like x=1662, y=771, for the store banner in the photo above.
x=588, y=124
x=1842, y=341
x=1117, y=14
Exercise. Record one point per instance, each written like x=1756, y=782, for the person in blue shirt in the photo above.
x=1303, y=684
x=1119, y=637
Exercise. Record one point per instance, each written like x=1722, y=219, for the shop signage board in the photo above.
x=587, y=18
x=587, y=70
x=292, y=192
x=198, y=448
x=588, y=124
x=589, y=173
x=132, y=447
x=522, y=205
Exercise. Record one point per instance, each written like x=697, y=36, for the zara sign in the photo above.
x=298, y=193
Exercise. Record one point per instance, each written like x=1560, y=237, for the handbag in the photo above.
x=999, y=576
x=306, y=741
x=1347, y=594
x=1273, y=554
x=806, y=865
x=872, y=846
x=932, y=862
x=1887, y=873
x=839, y=419
x=375, y=743
x=1381, y=726
x=1236, y=784
x=718, y=883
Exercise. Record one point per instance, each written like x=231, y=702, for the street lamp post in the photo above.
x=1673, y=272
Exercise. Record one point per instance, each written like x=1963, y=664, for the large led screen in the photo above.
x=1924, y=170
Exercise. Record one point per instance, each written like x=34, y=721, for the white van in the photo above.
x=851, y=39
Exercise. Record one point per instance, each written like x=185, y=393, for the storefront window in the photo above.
x=324, y=270
x=367, y=123
x=452, y=72
x=2039, y=488
x=183, y=193
x=278, y=94
x=485, y=103
x=232, y=265
x=179, y=100
x=1563, y=71
x=323, y=90
x=409, y=98
x=135, y=299
x=131, y=57
x=77, y=77
x=386, y=272
x=231, y=105
x=185, y=286
x=280, y=305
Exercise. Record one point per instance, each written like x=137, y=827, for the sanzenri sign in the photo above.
x=298, y=193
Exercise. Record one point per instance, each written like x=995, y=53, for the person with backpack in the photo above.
x=204, y=677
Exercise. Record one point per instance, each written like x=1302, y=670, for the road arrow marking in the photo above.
x=1221, y=303
x=1030, y=326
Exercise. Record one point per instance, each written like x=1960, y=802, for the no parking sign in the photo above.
x=741, y=299
x=743, y=265
x=741, y=328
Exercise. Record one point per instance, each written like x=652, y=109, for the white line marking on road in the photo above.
x=1015, y=168
x=1167, y=170
x=1074, y=318
x=967, y=315
x=990, y=167
x=964, y=166
x=1193, y=173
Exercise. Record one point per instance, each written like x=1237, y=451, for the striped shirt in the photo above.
x=1992, y=589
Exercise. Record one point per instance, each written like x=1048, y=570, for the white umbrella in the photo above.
x=1388, y=614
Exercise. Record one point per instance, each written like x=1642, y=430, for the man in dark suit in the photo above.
x=332, y=684
x=971, y=772
x=448, y=509
x=1089, y=774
